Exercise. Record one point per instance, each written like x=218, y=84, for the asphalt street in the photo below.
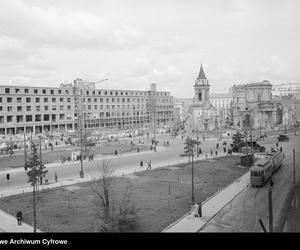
x=69, y=171
x=244, y=212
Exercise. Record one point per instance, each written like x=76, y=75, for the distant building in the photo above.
x=253, y=102
x=44, y=109
x=222, y=103
x=286, y=89
x=202, y=114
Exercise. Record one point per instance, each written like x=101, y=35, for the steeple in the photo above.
x=201, y=74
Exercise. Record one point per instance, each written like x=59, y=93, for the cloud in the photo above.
x=170, y=75
x=141, y=68
x=175, y=44
x=67, y=28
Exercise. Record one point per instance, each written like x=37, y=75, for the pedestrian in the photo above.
x=224, y=149
x=149, y=165
x=8, y=177
x=200, y=151
x=277, y=144
x=203, y=138
x=141, y=164
x=216, y=152
x=206, y=156
x=217, y=146
x=55, y=177
x=116, y=152
x=211, y=153
x=271, y=182
x=19, y=218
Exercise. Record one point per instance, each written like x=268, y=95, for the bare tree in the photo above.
x=112, y=220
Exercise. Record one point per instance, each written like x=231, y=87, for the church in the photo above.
x=202, y=116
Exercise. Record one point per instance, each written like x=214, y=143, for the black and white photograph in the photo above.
x=139, y=116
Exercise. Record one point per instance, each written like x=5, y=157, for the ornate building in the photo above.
x=202, y=114
x=254, y=102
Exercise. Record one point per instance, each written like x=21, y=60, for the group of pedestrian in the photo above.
x=149, y=167
x=166, y=143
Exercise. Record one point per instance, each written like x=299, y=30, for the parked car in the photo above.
x=283, y=138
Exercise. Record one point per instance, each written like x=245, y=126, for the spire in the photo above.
x=201, y=74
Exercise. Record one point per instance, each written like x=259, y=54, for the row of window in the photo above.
x=46, y=99
x=35, y=91
x=68, y=91
x=37, y=99
x=37, y=108
x=29, y=118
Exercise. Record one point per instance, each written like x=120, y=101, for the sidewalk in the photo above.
x=210, y=207
x=8, y=223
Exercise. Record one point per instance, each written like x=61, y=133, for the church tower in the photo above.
x=201, y=89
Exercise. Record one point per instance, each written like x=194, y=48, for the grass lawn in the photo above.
x=72, y=208
x=107, y=148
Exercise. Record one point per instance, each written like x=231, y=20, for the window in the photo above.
x=61, y=99
x=38, y=118
x=1, y=108
x=53, y=99
x=37, y=99
x=1, y=119
x=95, y=107
x=52, y=92
x=46, y=108
x=59, y=91
x=69, y=107
x=35, y=91
x=61, y=116
x=95, y=99
x=54, y=108
x=38, y=108
x=44, y=91
x=26, y=91
x=46, y=118
x=0, y=99
x=9, y=108
x=9, y=118
x=46, y=99
x=69, y=100
x=67, y=91
x=61, y=108
x=17, y=91
x=89, y=99
x=28, y=108
x=19, y=118
x=101, y=100
x=19, y=108
x=9, y=99
x=7, y=90
x=28, y=99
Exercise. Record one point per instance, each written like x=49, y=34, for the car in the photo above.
x=283, y=138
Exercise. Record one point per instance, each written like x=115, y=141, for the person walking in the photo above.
x=19, y=218
x=217, y=146
x=141, y=164
x=276, y=144
x=216, y=152
x=211, y=153
x=206, y=156
x=149, y=165
x=55, y=177
x=200, y=151
x=224, y=149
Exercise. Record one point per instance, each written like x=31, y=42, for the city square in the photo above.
x=130, y=128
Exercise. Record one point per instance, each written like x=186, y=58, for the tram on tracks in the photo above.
x=264, y=168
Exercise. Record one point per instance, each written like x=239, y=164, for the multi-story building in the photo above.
x=286, y=89
x=222, y=103
x=45, y=109
x=254, y=102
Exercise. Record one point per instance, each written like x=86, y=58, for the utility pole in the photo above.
x=34, y=204
x=270, y=210
x=193, y=194
x=25, y=152
x=294, y=166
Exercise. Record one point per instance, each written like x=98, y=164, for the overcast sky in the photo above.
x=137, y=42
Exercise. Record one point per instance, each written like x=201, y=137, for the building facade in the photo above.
x=202, y=114
x=286, y=89
x=45, y=109
x=222, y=103
x=253, y=102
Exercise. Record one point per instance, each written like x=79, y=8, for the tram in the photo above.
x=264, y=168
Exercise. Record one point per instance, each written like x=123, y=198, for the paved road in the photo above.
x=244, y=212
x=70, y=171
